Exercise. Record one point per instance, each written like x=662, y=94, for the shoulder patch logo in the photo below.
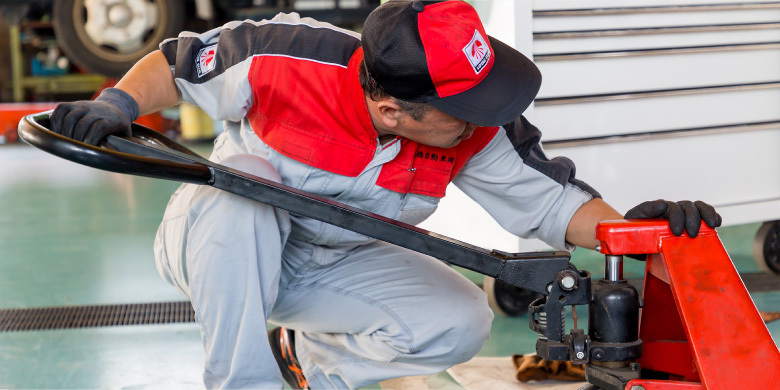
x=478, y=52
x=207, y=60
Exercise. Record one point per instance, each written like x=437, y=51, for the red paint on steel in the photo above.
x=12, y=113
x=664, y=341
x=636, y=236
x=730, y=344
x=654, y=384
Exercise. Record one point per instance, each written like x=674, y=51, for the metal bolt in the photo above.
x=637, y=387
x=598, y=248
x=567, y=279
x=598, y=354
x=549, y=287
x=580, y=355
x=568, y=282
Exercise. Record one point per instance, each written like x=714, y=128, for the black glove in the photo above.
x=684, y=214
x=91, y=121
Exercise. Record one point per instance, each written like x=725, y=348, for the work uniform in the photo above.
x=363, y=310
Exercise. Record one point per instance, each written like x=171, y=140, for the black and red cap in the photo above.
x=438, y=52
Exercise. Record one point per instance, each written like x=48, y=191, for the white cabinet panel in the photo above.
x=659, y=19
x=588, y=76
x=654, y=41
x=657, y=112
x=584, y=4
x=738, y=173
x=731, y=169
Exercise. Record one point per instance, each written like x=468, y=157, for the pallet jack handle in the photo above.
x=33, y=130
x=150, y=153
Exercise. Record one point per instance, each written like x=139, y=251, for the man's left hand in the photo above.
x=681, y=215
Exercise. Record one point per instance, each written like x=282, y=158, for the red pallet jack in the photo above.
x=698, y=323
x=695, y=327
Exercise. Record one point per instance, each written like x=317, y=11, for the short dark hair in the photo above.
x=375, y=91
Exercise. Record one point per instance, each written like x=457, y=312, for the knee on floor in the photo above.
x=254, y=165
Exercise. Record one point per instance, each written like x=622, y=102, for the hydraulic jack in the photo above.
x=697, y=328
x=694, y=327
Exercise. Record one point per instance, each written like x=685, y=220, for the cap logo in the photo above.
x=206, y=60
x=478, y=52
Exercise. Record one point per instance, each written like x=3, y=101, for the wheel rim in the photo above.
x=119, y=30
x=772, y=248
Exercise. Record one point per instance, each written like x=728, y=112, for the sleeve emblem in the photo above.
x=207, y=60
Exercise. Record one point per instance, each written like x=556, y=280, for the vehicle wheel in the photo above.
x=108, y=37
x=766, y=247
x=507, y=299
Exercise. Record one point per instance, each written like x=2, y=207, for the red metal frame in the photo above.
x=653, y=384
x=12, y=113
x=698, y=322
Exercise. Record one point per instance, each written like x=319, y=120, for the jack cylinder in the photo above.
x=613, y=269
x=613, y=316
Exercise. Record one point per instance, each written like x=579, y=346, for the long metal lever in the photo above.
x=151, y=154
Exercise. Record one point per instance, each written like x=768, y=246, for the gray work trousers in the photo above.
x=360, y=314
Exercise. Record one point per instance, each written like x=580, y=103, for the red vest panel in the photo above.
x=316, y=113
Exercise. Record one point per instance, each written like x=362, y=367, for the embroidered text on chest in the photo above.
x=443, y=158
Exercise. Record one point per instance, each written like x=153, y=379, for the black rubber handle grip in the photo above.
x=34, y=130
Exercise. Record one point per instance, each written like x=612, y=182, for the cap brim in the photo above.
x=502, y=95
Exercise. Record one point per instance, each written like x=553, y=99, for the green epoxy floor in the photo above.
x=72, y=235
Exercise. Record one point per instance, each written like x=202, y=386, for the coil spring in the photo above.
x=543, y=323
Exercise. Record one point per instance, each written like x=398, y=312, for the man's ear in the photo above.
x=389, y=113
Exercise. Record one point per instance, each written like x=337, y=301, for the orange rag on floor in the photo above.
x=769, y=316
x=533, y=367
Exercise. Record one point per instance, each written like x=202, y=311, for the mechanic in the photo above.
x=382, y=122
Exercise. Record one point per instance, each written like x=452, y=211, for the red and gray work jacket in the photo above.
x=288, y=91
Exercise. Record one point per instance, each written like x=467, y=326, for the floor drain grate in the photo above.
x=172, y=312
x=761, y=281
x=97, y=315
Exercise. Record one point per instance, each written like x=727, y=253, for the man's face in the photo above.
x=435, y=129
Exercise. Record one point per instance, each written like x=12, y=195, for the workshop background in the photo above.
x=675, y=99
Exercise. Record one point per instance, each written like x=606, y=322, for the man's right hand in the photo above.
x=91, y=121
x=683, y=215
